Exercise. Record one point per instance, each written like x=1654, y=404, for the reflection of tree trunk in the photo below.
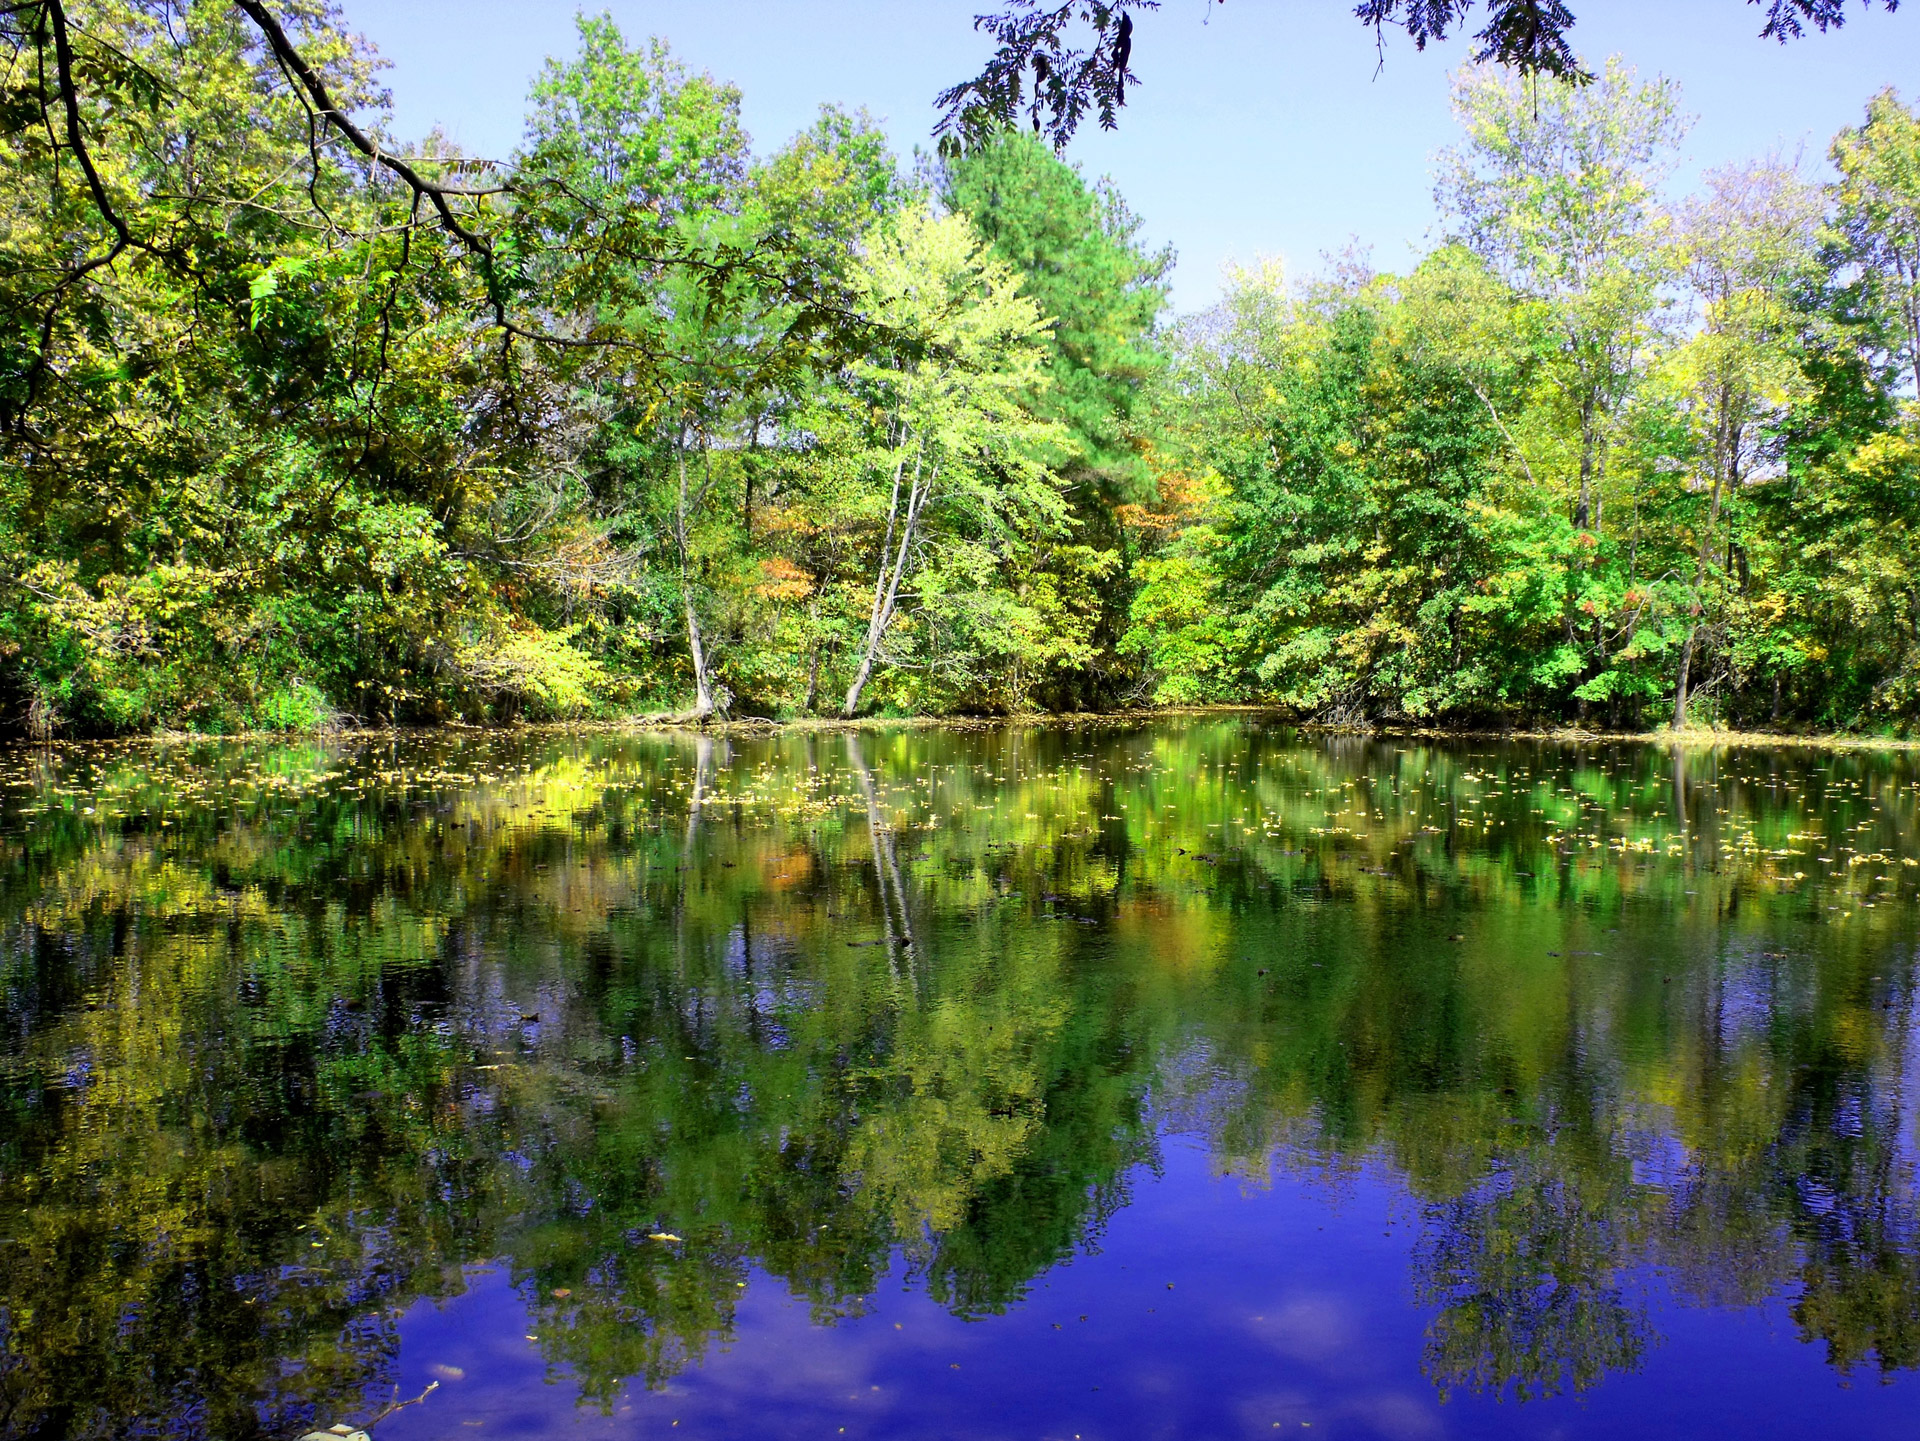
x=702, y=778
x=754, y=1031
x=886, y=863
x=893, y=568
x=702, y=775
x=1680, y=794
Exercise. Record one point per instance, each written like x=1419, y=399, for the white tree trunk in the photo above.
x=894, y=560
x=696, y=643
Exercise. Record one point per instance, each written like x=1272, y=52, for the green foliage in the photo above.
x=1506, y=488
x=1179, y=628
x=945, y=462
x=1079, y=250
x=641, y=420
x=1877, y=223
x=250, y=449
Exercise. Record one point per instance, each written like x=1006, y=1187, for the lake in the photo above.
x=1191, y=1078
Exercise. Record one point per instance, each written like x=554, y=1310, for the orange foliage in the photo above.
x=781, y=579
x=1182, y=496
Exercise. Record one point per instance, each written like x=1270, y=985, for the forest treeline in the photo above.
x=304, y=425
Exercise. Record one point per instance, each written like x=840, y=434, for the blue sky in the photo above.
x=1260, y=129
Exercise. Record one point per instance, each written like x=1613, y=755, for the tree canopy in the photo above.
x=306, y=424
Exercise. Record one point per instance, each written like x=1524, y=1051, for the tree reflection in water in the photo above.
x=297, y=1033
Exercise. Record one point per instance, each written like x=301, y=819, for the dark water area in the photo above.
x=1190, y=1079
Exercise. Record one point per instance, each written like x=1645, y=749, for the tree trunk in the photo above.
x=1599, y=489
x=696, y=643
x=1725, y=455
x=1680, y=796
x=1583, y=520
x=1512, y=444
x=1680, y=690
x=813, y=681
x=696, y=647
x=893, y=568
x=1583, y=505
x=860, y=679
x=1912, y=278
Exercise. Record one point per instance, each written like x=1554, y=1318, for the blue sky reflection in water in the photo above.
x=1292, y=1308
x=775, y=1086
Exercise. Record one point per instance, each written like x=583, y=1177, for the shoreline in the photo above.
x=1690, y=739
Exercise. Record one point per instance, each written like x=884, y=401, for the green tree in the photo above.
x=257, y=472
x=1557, y=188
x=1078, y=249
x=629, y=126
x=1750, y=249
x=951, y=464
x=1877, y=217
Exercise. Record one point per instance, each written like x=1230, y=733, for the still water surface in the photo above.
x=1192, y=1079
